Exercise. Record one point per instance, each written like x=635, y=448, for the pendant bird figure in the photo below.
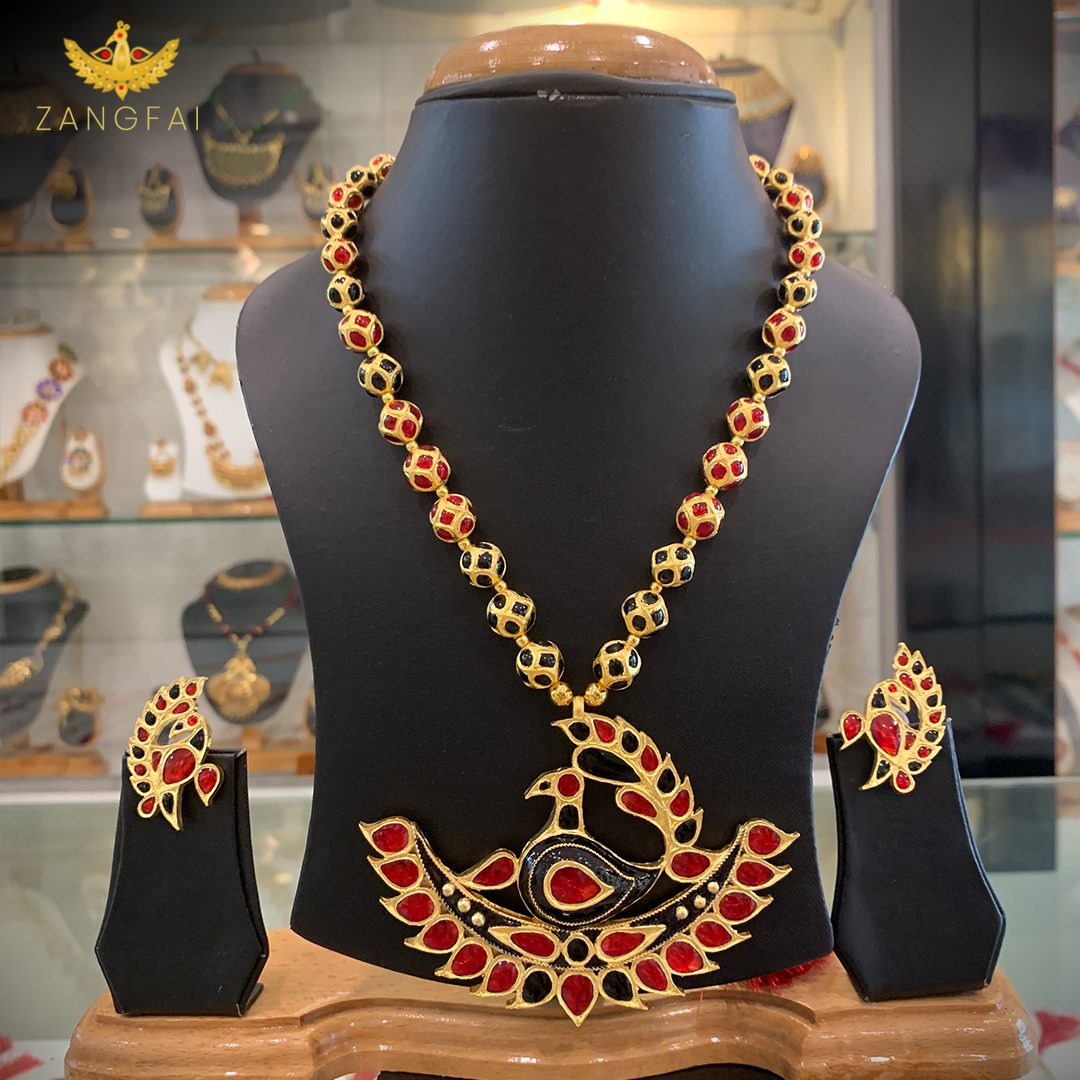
x=117, y=66
x=578, y=944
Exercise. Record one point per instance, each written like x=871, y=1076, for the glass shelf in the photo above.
x=67, y=523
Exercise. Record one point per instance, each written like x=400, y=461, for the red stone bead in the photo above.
x=182, y=707
x=680, y=805
x=748, y=418
x=572, y=885
x=652, y=974
x=577, y=993
x=391, y=838
x=147, y=805
x=885, y=730
x=620, y=943
x=903, y=781
x=469, y=960
x=927, y=683
x=442, y=936
x=907, y=680
x=700, y=515
x=638, y=804
x=179, y=765
x=416, y=908
x=160, y=704
x=142, y=734
x=208, y=779
x=724, y=465
x=569, y=785
x=753, y=874
x=682, y=957
x=192, y=721
x=401, y=872
x=892, y=688
x=902, y=659
x=139, y=770
x=909, y=739
x=497, y=872
x=649, y=761
x=925, y=751
x=605, y=732
x=533, y=944
x=712, y=934
x=736, y=906
x=502, y=977
x=190, y=689
x=690, y=864
x=852, y=725
x=762, y=840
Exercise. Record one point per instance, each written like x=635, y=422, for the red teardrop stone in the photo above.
x=572, y=885
x=441, y=936
x=753, y=874
x=179, y=765
x=903, y=781
x=652, y=974
x=569, y=785
x=712, y=934
x=416, y=908
x=680, y=805
x=638, y=804
x=935, y=717
x=391, y=838
x=147, y=805
x=142, y=734
x=160, y=703
x=155, y=757
x=737, y=905
x=533, y=944
x=689, y=864
x=762, y=840
x=182, y=707
x=927, y=683
x=683, y=957
x=909, y=739
x=907, y=680
x=140, y=770
x=902, y=659
x=885, y=730
x=401, y=872
x=852, y=724
x=470, y=959
x=925, y=751
x=496, y=872
x=620, y=942
x=190, y=689
x=577, y=993
x=502, y=977
x=208, y=780
x=605, y=732
x=649, y=761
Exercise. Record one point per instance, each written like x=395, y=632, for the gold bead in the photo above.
x=616, y=665
x=769, y=375
x=344, y=291
x=700, y=902
x=483, y=564
x=644, y=613
x=711, y=489
x=522, y=641
x=448, y=889
x=464, y=904
x=562, y=695
x=595, y=695
x=758, y=396
x=373, y=351
x=510, y=613
x=387, y=398
x=783, y=329
x=681, y=912
x=412, y=447
x=797, y=290
x=501, y=586
x=673, y=565
x=442, y=491
x=540, y=664
x=380, y=165
x=477, y=919
x=346, y=197
x=737, y=440
x=714, y=887
x=689, y=542
x=633, y=640
x=400, y=421
x=748, y=419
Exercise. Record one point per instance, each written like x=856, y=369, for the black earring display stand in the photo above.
x=25, y=616
x=248, y=92
x=183, y=934
x=574, y=337
x=277, y=653
x=913, y=912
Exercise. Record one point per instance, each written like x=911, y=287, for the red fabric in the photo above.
x=1056, y=1028
x=17, y=1066
x=776, y=980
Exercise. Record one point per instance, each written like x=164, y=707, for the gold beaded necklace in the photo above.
x=572, y=946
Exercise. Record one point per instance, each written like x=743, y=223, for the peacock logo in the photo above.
x=120, y=67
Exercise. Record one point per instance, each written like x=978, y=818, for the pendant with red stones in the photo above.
x=724, y=466
x=400, y=422
x=748, y=419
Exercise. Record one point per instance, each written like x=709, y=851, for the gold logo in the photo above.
x=117, y=66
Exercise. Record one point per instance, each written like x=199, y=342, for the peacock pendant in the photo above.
x=579, y=940
x=238, y=690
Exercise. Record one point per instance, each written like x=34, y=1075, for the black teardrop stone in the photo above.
x=618, y=987
x=604, y=765
x=568, y=817
x=630, y=742
x=666, y=783
x=579, y=730
x=536, y=988
x=685, y=832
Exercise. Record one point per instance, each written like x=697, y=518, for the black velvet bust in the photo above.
x=24, y=617
x=574, y=284
x=277, y=653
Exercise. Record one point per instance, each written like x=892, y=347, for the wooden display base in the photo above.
x=52, y=510
x=45, y=761
x=205, y=508
x=322, y=1015
x=296, y=756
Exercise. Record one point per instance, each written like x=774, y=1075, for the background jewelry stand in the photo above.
x=277, y=655
x=214, y=325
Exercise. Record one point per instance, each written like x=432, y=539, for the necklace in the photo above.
x=225, y=470
x=26, y=667
x=242, y=163
x=236, y=583
x=48, y=391
x=576, y=944
x=239, y=689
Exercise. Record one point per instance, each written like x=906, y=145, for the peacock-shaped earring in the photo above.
x=168, y=751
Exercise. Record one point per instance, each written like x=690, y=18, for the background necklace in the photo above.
x=238, y=690
x=26, y=667
x=576, y=943
x=224, y=469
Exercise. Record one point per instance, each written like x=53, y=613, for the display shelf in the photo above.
x=66, y=523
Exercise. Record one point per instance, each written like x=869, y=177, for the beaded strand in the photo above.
x=699, y=516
